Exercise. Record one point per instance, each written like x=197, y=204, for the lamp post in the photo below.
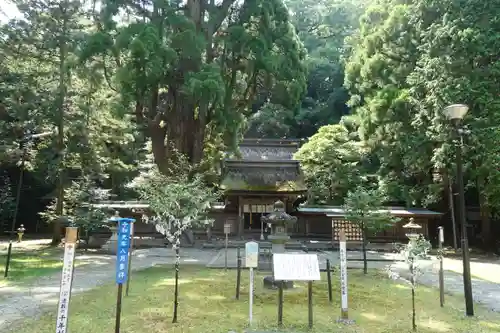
x=22, y=147
x=455, y=113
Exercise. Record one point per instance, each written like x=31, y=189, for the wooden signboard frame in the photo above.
x=296, y=267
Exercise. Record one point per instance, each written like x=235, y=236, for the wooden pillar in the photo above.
x=250, y=216
x=240, y=217
x=307, y=227
x=333, y=231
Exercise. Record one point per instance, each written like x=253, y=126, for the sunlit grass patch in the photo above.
x=207, y=304
x=26, y=266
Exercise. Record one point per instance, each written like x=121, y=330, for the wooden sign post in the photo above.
x=238, y=272
x=296, y=267
x=344, y=313
x=251, y=261
x=122, y=262
x=227, y=231
x=131, y=248
x=66, y=280
x=333, y=233
x=441, y=272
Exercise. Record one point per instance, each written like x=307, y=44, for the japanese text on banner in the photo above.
x=122, y=252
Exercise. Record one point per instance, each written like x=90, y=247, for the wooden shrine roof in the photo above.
x=263, y=176
x=267, y=149
x=264, y=165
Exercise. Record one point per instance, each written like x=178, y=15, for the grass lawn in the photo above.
x=28, y=265
x=207, y=304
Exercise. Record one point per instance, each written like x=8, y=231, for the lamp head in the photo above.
x=456, y=111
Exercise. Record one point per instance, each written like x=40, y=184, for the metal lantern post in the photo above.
x=456, y=113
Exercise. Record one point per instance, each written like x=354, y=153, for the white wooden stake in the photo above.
x=250, y=301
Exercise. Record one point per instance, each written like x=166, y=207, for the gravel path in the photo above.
x=485, y=292
x=18, y=302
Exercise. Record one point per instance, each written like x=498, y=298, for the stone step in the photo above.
x=241, y=244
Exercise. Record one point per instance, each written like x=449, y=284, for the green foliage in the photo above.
x=410, y=60
x=7, y=199
x=44, y=88
x=85, y=215
x=364, y=207
x=323, y=27
x=271, y=121
x=413, y=253
x=332, y=164
x=384, y=54
x=79, y=210
x=193, y=77
x=181, y=74
x=177, y=199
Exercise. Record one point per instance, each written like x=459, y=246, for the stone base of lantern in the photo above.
x=269, y=283
x=111, y=245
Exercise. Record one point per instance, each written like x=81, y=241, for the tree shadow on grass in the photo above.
x=207, y=304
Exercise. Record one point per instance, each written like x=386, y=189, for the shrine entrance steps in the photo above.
x=300, y=245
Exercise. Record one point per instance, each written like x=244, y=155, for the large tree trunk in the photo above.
x=187, y=119
x=63, y=73
x=199, y=135
x=157, y=134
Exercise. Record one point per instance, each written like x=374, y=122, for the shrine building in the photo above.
x=264, y=172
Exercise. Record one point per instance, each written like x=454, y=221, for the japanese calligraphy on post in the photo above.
x=66, y=280
x=343, y=276
x=122, y=252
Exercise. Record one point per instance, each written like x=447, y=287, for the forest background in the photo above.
x=126, y=85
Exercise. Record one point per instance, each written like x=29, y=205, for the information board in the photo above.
x=122, y=252
x=251, y=254
x=227, y=228
x=296, y=267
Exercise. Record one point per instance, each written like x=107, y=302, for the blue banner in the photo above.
x=122, y=252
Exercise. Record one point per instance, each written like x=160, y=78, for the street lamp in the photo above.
x=455, y=113
x=22, y=147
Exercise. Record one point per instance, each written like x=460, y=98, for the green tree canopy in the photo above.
x=188, y=72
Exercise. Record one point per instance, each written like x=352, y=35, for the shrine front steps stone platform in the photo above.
x=354, y=259
x=306, y=245
x=233, y=244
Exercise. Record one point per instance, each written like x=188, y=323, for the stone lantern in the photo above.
x=413, y=229
x=279, y=222
x=110, y=245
